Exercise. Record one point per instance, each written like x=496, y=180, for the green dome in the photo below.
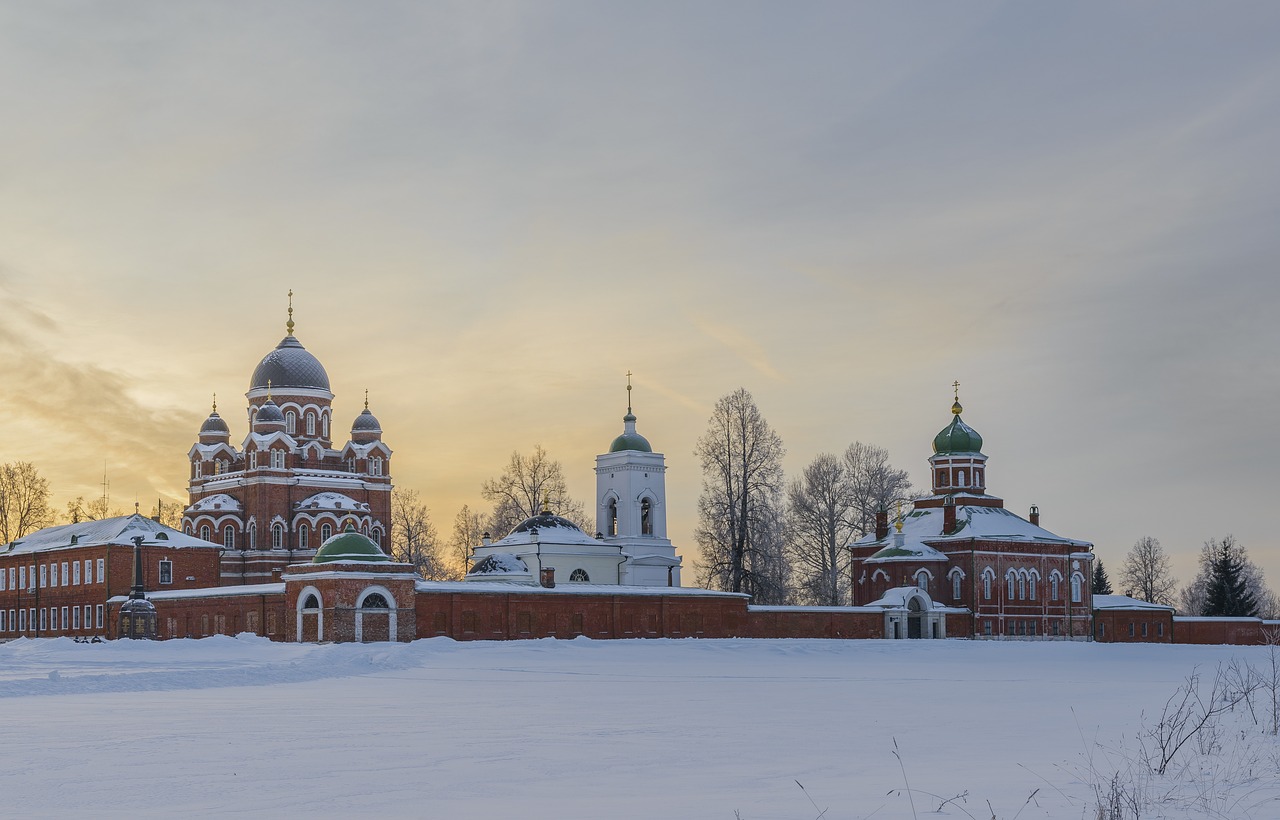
x=630, y=439
x=957, y=438
x=349, y=545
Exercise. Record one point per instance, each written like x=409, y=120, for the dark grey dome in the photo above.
x=269, y=413
x=545, y=520
x=214, y=424
x=289, y=365
x=366, y=422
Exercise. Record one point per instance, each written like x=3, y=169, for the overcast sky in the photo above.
x=490, y=212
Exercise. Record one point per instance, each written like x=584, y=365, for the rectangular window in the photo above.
x=88, y=571
x=22, y=620
x=986, y=628
x=23, y=576
x=44, y=575
x=44, y=619
x=75, y=575
x=271, y=623
x=88, y=616
x=2, y=583
x=1144, y=629
x=66, y=575
x=4, y=623
x=166, y=572
x=97, y=617
x=11, y=578
x=102, y=570
x=66, y=618
x=204, y=625
x=1131, y=629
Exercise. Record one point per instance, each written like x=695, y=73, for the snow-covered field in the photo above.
x=605, y=729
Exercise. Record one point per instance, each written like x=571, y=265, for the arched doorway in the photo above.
x=915, y=617
x=375, y=615
x=310, y=616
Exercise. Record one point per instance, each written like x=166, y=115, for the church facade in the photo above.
x=960, y=545
x=288, y=486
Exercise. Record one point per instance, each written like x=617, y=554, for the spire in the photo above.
x=897, y=525
x=269, y=385
x=288, y=326
x=629, y=393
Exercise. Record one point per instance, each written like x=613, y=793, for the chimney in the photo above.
x=547, y=577
x=486, y=539
x=882, y=524
x=1034, y=518
x=948, y=515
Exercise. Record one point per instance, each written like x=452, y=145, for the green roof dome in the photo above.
x=958, y=437
x=349, y=545
x=630, y=439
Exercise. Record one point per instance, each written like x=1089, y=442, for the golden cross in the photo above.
x=956, y=385
x=628, y=391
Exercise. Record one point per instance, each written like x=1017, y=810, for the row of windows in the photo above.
x=66, y=574
x=1021, y=585
x=49, y=618
x=225, y=465
x=944, y=478
x=1022, y=627
x=277, y=535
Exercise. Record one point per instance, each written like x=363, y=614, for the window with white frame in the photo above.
x=229, y=538
x=253, y=460
x=3, y=586
x=204, y=532
x=102, y=570
x=302, y=536
x=75, y=574
x=44, y=575
x=66, y=618
x=277, y=459
x=1022, y=587
x=1053, y=587
x=22, y=575
x=4, y=623
x=1031, y=587
x=375, y=466
x=1009, y=579
x=986, y=586
x=75, y=617
x=199, y=468
x=97, y=617
x=311, y=424
x=166, y=571
x=325, y=422
x=88, y=616
x=376, y=535
x=22, y=620
x=326, y=532
x=88, y=571
x=922, y=581
x=1075, y=588
x=44, y=619
x=66, y=574
x=955, y=586
x=277, y=536
x=291, y=422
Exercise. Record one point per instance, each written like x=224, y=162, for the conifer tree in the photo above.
x=1228, y=591
x=1101, y=583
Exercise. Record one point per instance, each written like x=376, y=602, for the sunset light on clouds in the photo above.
x=490, y=212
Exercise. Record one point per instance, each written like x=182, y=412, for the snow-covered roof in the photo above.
x=118, y=530
x=923, y=526
x=221, y=502
x=1125, y=602
x=899, y=549
x=898, y=597
x=331, y=501
x=499, y=564
x=546, y=528
x=209, y=592
x=512, y=587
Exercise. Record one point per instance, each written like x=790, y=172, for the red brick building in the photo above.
x=272, y=500
x=966, y=550
x=57, y=581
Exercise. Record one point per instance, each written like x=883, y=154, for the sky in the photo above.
x=490, y=212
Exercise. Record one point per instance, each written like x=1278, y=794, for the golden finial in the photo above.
x=366, y=398
x=268, y=389
x=956, y=408
x=628, y=392
x=546, y=501
x=215, y=402
x=289, y=324
x=897, y=525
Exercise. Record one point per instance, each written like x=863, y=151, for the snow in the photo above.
x=589, y=729
x=991, y=523
x=1126, y=602
x=118, y=530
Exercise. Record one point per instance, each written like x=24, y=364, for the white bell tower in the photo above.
x=631, y=506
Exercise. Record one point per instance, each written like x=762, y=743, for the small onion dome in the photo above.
x=630, y=439
x=214, y=426
x=268, y=415
x=958, y=437
x=366, y=422
x=545, y=520
x=289, y=365
x=349, y=545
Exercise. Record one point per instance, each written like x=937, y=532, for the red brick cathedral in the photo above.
x=287, y=488
x=962, y=547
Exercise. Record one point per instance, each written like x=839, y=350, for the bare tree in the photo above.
x=468, y=529
x=1146, y=572
x=1194, y=597
x=24, y=500
x=740, y=509
x=874, y=484
x=168, y=513
x=94, y=510
x=821, y=516
x=413, y=536
x=525, y=483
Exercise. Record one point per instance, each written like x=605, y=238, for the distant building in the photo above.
x=960, y=545
x=288, y=487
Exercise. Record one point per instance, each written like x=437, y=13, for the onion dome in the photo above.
x=350, y=545
x=214, y=425
x=289, y=365
x=958, y=437
x=268, y=417
x=366, y=423
x=630, y=439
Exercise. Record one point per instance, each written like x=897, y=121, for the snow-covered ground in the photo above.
x=594, y=729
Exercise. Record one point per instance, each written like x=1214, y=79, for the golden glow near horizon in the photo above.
x=487, y=221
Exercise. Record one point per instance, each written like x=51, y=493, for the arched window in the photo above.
x=955, y=586
x=229, y=537
x=311, y=424
x=1022, y=588
x=376, y=535
x=312, y=602
x=277, y=459
x=1075, y=588
x=959, y=478
x=1053, y=587
x=277, y=537
x=1031, y=587
x=579, y=575
x=646, y=517
x=326, y=532
x=218, y=466
x=253, y=536
x=204, y=532
x=374, y=600
x=291, y=422
x=977, y=478
x=302, y=536
x=613, y=517
x=942, y=478
x=922, y=581
x=325, y=424
x=986, y=586
x=1009, y=578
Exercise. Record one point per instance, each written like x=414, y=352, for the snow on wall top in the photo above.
x=1125, y=602
x=119, y=530
x=216, y=503
x=331, y=501
x=526, y=588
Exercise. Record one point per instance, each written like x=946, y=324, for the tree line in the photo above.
x=1227, y=583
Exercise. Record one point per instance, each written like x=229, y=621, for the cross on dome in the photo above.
x=288, y=326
